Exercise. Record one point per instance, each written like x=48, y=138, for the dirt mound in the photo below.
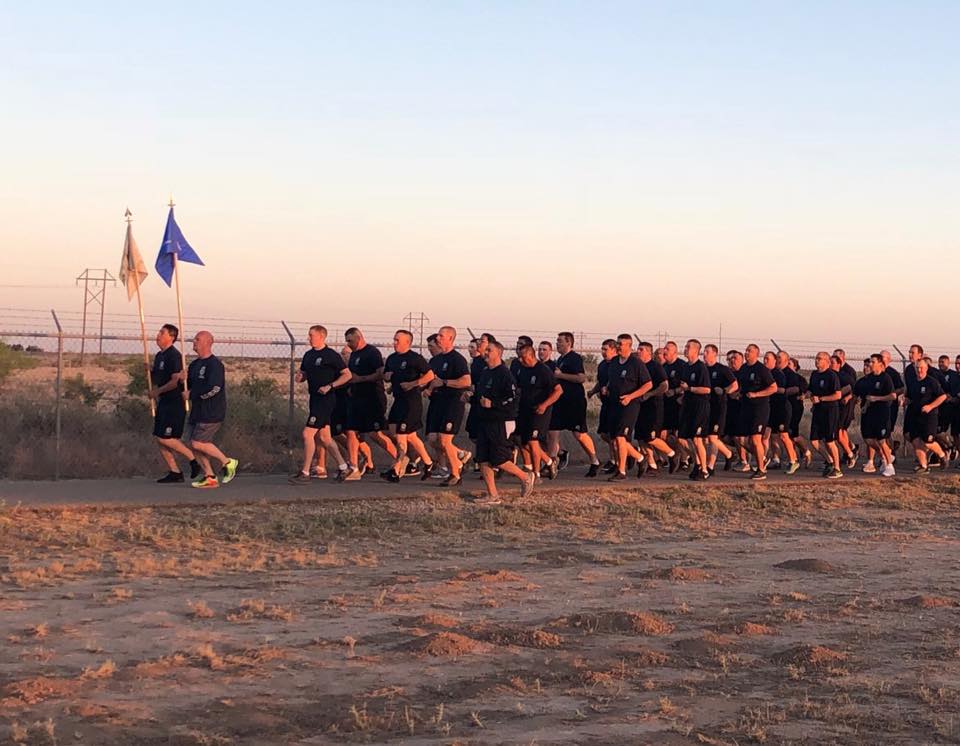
x=809, y=656
x=618, y=622
x=518, y=636
x=488, y=576
x=444, y=645
x=928, y=602
x=808, y=565
x=678, y=574
x=754, y=628
x=32, y=691
x=431, y=620
x=704, y=646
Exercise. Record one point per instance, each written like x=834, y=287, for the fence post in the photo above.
x=293, y=353
x=774, y=343
x=56, y=458
x=903, y=358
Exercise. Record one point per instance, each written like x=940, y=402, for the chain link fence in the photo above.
x=68, y=410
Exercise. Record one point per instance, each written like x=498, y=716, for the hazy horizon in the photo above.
x=783, y=170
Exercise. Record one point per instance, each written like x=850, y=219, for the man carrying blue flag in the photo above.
x=171, y=409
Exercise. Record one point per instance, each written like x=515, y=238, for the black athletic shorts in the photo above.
x=473, y=420
x=780, y=414
x=717, y=423
x=494, y=444
x=894, y=413
x=754, y=416
x=169, y=420
x=366, y=414
x=338, y=420
x=796, y=416
x=321, y=410
x=731, y=427
x=875, y=421
x=694, y=416
x=570, y=413
x=955, y=424
x=671, y=413
x=847, y=413
x=945, y=416
x=532, y=426
x=445, y=416
x=922, y=426
x=406, y=413
x=650, y=419
x=603, y=419
x=623, y=419
x=825, y=421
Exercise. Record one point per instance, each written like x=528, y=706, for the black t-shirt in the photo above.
x=448, y=366
x=570, y=364
x=206, y=381
x=753, y=378
x=165, y=364
x=909, y=374
x=626, y=376
x=551, y=364
x=781, y=380
x=922, y=392
x=497, y=385
x=823, y=383
x=603, y=377
x=952, y=386
x=675, y=372
x=847, y=376
x=535, y=384
x=940, y=375
x=722, y=376
x=364, y=362
x=696, y=374
x=792, y=379
x=477, y=366
x=515, y=366
x=321, y=368
x=894, y=376
x=873, y=385
x=404, y=367
x=657, y=375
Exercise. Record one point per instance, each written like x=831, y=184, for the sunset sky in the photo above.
x=785, y=168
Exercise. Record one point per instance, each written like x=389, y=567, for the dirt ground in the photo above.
x=734, y=614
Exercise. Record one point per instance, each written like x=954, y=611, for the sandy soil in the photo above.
x=720, y=615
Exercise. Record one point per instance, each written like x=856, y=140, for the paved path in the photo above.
x=274, y=487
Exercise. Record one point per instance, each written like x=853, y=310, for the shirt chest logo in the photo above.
x=445, y=366
x=623, y=374
x=533, y=379
x=403, y=365
x=162, y=365
x=203, y=372
x=752, y=376
x=923, y=389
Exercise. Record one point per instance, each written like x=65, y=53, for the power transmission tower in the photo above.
x=414, y=321
x=94, y=292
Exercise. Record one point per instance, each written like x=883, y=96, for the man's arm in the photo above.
x=644, y=388
x=377, y=375
x=768, y=391
x=342, y=380
x=550, y=400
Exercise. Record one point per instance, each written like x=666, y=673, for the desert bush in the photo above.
x=12, y=359
x=137, y=385
x=258, y=388
x=76, y=388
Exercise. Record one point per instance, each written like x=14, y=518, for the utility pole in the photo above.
x=94, y=292
x=413, y=321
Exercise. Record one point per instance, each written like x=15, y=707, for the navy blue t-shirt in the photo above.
x=206, y=380
x=165, y=364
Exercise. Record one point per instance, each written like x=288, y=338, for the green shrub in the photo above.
x=12, y=359
x=258, y=388
x=137, y=385
x=76, y=388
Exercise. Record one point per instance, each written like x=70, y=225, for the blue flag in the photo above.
x=174, y=243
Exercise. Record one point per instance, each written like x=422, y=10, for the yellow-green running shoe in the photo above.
x=229, y=471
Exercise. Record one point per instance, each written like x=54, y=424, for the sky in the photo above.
x=786, y=169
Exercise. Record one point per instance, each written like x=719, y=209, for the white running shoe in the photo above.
x=869, y=468
x=889, y=471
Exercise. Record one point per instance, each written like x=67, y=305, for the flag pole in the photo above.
x=183, y=354
x=143, y=325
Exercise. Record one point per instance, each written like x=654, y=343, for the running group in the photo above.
x=659, y=410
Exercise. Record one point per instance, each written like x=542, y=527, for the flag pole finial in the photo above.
x=171, y=203
x=128, y=215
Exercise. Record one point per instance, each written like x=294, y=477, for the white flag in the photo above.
x=132, y=269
